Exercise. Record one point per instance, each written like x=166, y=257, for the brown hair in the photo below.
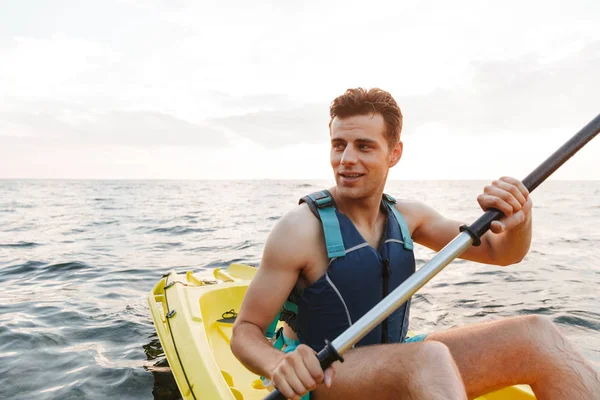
x=359, y=101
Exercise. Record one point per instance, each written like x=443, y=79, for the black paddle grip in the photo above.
x=327, y=356
x=481, y=226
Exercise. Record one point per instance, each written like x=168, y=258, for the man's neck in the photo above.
x=362, y=212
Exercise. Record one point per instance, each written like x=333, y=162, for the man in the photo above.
x=337, y=254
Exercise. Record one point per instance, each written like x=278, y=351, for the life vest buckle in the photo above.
x=323, y=200
x=389, y=198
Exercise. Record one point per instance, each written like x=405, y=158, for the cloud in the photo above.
x=57, y=65
x=300, y=125
x=260, y=101
x=172, y=96
x=519, y=95
x=49, y=123
x=523, y=94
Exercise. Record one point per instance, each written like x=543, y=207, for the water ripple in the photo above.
x=181, y=230
x=21, y=244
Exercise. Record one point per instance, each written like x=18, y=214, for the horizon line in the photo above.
x=271, y=179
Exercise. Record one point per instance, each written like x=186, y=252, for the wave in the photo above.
x=168, y=245
x=243, y=245
x=26, y=245
x=181, y=230
x=66, y=266
x=21, y=269
x=538, y=310
x=578, y=321
x=97, y=223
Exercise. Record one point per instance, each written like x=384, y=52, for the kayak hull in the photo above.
x=191, y=320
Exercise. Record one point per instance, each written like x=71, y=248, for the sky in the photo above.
x=177, y=89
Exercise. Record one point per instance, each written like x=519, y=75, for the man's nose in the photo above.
x=349, y=156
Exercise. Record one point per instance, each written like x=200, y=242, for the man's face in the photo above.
x=360, y=155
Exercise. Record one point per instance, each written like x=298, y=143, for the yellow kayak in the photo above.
x=194, y=323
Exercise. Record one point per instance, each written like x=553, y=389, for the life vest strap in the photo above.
x=331, y=225
x=390, y=201
x=289, y=306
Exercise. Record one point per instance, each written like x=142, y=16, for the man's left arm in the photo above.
x=508, y=240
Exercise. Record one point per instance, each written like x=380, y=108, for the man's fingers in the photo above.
x=283, y=386
x=497, y=227
x=527, y=206
x=329, y=375
x=487, y=201
x=299, y=373
x=514, y=220
x=311, y=362
x=296, y=373
x=504, y=195
x=517, y=183
x=513, y=190
x=295, y=383
x=305, y=376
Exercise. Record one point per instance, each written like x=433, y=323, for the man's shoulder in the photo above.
x=299, y=222
x=300, y=211
x=415, y=212
x=293, y=239
x=410, y=207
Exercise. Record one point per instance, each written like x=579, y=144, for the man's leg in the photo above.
x=416, y=371
x=523, y=350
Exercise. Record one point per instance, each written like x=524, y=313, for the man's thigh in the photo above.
x=363, y=368
x=489, y=356
x=392, y=371
x=492, y=355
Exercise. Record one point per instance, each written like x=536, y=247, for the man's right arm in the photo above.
x=283, y=259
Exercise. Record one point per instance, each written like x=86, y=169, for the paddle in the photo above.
x=470, y=235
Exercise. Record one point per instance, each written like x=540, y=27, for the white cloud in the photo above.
x=53, y=67
x=522, y=95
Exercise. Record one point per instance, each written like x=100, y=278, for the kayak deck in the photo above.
x=191, y=318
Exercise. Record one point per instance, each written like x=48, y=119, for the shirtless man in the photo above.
x=332, y=258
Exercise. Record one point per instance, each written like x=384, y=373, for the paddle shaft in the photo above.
x=470, y=235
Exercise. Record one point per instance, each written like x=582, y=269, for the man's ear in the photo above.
x=396, y=153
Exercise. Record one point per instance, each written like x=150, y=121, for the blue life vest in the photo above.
x=358, y=277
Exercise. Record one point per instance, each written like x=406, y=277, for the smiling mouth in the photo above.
x=350, y=175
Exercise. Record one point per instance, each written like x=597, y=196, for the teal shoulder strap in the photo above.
x=408, y=242
x=271, y=329
x=288, y=305
x=331, y=225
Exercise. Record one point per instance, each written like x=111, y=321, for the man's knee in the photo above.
x=541, y=329
x=435, y=369
x=530, y=326
x=540, y=323
x=433, y=358
x=431, y=352
x=412, y=360
x=544, y=340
